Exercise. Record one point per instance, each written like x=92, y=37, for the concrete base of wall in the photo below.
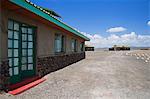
x=47, y=65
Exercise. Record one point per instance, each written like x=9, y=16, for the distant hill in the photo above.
x=132, y=48
x=138, y=48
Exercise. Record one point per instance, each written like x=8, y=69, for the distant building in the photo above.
x=119, y=48
x=89, y=48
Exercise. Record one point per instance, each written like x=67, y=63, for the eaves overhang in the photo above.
x=42, y=13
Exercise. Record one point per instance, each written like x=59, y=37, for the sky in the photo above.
x=106, y=22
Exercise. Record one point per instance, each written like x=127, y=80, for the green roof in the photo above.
x=51, y=12
x=46, y=15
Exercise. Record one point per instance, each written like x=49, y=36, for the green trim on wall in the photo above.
x=35, y=10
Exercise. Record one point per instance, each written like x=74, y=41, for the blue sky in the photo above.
x=96, y=17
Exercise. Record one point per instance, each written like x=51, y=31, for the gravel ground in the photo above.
x=102, y=75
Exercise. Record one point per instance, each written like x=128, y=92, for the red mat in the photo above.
x=26, y=87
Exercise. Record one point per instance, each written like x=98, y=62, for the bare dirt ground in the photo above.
x=102, y=75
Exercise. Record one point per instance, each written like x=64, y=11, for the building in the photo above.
x=33, y=42
x=89, y=48
x=119, y=48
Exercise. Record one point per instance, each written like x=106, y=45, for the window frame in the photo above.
x=63, y=40
x=82, y=46
x=74, y=49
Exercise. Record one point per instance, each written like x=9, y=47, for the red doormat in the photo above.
x=26, y=87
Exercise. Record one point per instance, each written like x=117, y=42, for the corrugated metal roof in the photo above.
x=44, y=14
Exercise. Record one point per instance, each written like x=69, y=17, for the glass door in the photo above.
x=27, y=56
x=13, y=51
x=21, y=51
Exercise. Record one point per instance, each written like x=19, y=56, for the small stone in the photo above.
x=142, y=58
x=146, y=61
x=137, y=58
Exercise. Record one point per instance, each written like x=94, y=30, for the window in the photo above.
x=74, y=45
x=82, y=46
x=59, y=43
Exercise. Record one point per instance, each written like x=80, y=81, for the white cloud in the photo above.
x=130, y=39
x=116, y=29
x=148, y=23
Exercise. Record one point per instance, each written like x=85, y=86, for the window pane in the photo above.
x=30, y=66
x=9, y=52
x=10, y=72
x=29, y=30
x=24, y=37
x=24, y=60
x=16, y=44
x=24, y=30
x=16, y=35
x=24, y=67
x=10, y=34
x=30, y=60
x=16, y=26
x=30, y=45
x=10, y=24
x=30, y=38
x=24, y=52
x=30, y=52
x=73, y=45
x=24, y=44
x=58, y=43
x=16, y=71
x=58, y=46
x=16, y=61
x=15, y=52
x=10, y=62
x=9, y=43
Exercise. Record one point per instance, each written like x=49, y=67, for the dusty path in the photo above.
x=102, y=75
